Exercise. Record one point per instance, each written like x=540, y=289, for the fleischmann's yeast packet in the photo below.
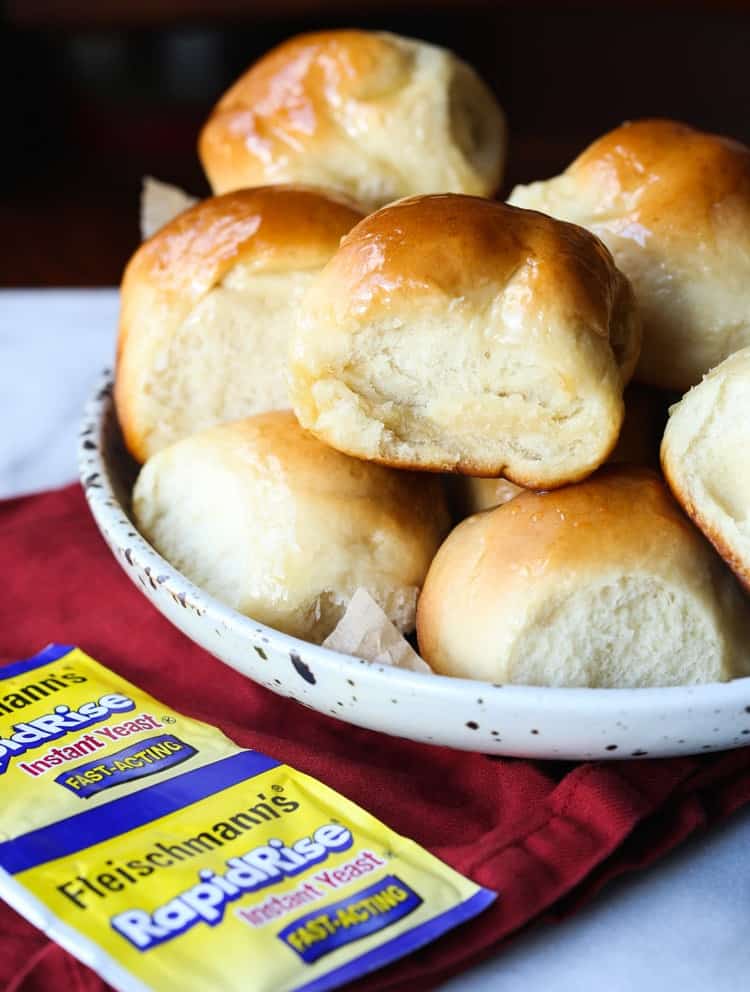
x=164, y=856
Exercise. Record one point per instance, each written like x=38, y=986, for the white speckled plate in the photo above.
x=475, y=716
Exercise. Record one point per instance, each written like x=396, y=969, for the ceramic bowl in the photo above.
x=460, y=713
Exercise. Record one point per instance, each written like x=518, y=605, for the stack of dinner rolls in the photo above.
x=352, y=346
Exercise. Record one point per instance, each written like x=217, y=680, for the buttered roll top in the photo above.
x=207, y=305
x=373, y=114
x=452, y=333
x=673, y=206
x=603, y=584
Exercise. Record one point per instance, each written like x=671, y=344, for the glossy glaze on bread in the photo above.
x=373, y=114
x=206, y=308
x=673, y=206
x=451, y=333
x=603, y=584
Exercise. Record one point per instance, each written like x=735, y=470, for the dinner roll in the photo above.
x=206, y=307
x=373, y=114
x=706, y=462
x=638, y=444
x=451, y=333
x=601, y=584
x=278, y=526
x=673, y=206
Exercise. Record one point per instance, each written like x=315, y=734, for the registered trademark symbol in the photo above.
x=168, y=719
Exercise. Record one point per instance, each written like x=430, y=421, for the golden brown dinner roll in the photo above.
x=706, y=459
x=603, y=584
x=451, y=333
x=275, y=524
x=638, y=444
x=373, y=114
x=673, y=206
x=206, y=308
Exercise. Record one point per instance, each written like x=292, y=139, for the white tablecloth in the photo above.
x=683, y=925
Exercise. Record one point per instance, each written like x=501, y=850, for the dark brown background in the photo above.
x=98, y=92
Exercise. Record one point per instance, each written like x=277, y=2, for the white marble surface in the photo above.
x=682, y=925
x=53, y=345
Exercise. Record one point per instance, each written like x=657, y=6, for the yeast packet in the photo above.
x=164, y=856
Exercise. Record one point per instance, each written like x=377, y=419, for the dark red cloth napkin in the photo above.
x=543, y=834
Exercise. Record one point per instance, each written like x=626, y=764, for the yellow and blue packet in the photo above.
x=161, y=854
